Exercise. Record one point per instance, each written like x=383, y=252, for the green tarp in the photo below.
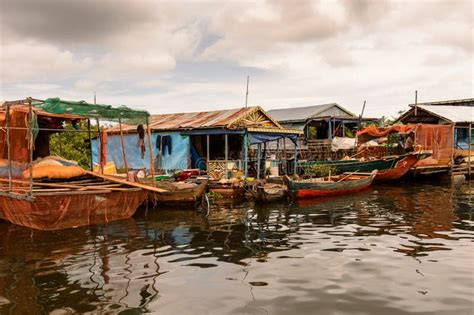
x=84, y=109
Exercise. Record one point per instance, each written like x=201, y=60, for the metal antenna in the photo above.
x=247, y=92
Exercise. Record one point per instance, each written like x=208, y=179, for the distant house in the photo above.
x=319, y=121
x=329, y=129
x=458, y=113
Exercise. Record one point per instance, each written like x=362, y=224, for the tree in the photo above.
x=72, y=144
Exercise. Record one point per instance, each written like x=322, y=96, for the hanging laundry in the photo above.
x=141, y=140
x=164, y=144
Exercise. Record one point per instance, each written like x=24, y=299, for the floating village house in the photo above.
x=216, y=141
x=327, y=128
x=456, y=113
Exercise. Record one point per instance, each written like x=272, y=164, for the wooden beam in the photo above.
x=125, y=182
x=58, y=185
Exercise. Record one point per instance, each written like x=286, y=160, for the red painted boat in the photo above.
x=335, y=185
x=398, y=170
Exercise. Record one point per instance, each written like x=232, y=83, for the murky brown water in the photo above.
x=403, y=249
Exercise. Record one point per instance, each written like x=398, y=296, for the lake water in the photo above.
x=398, y=249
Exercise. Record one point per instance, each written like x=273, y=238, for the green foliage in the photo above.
x=72, y=145
x=213, y=196
x=319, y=170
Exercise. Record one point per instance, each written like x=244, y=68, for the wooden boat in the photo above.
x=228, y=190
x=269, y=192
x=50, y=193
x=335, y=185
x=389, y=167
x=61, y=205
x=178, y=193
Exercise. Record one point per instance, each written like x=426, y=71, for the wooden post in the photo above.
x=90, y=143
x=330, y=129
x=9, y=153
x=259, y=146
x=150, y=148
x=124, y=152
x=264, y=158
x=295, y=168
x=470, y=148
x=99, y=142
x=285, y=156
x=246, y=155
x=208, y=153
x=416, y=102
x=30, y=145
x=226, y=145
x=60, y=144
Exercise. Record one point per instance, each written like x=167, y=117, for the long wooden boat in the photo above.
x=61, y=205
x=178, y=193
x=336, y=185
x=389, y=167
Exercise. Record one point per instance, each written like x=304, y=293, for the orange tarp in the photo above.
x=375, y=131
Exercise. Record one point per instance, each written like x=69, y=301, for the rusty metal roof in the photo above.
x=229, y=118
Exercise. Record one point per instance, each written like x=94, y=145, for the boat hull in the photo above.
x=389, y=168
x=264, y=195
x=72, y=209
x=185, y=196
x=310, y=189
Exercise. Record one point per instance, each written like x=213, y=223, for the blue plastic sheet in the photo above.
x=256, y=138
x=179, y=158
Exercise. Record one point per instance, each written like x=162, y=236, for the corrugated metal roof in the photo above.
x=230, y=118
x=303, y=113
x=456, y=114
x=459, y=102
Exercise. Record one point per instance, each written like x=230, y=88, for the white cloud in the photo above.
x=30, y=60
x=298, y=53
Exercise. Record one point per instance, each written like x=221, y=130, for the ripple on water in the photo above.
x=405, y=248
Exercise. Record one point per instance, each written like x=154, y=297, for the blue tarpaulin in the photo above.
x=179, y=158
x=256, y=138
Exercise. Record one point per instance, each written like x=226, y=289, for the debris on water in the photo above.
x=258, y=283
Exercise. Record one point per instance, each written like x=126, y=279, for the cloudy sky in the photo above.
x=170, y=56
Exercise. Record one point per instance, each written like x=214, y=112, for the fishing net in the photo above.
x=61, y=211
x=84, y=109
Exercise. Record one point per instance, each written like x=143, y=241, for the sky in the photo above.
x=182, y=56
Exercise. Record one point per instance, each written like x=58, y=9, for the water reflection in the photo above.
x=254, y=258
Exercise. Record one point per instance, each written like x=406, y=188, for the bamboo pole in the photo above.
x=30, y=145
x=150, y=148
x=122, y=140
x=89, y=135
x=9, y=153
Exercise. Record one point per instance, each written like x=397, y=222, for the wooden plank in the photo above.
x=78, y=187
x=138, y=185
x=17, y=196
